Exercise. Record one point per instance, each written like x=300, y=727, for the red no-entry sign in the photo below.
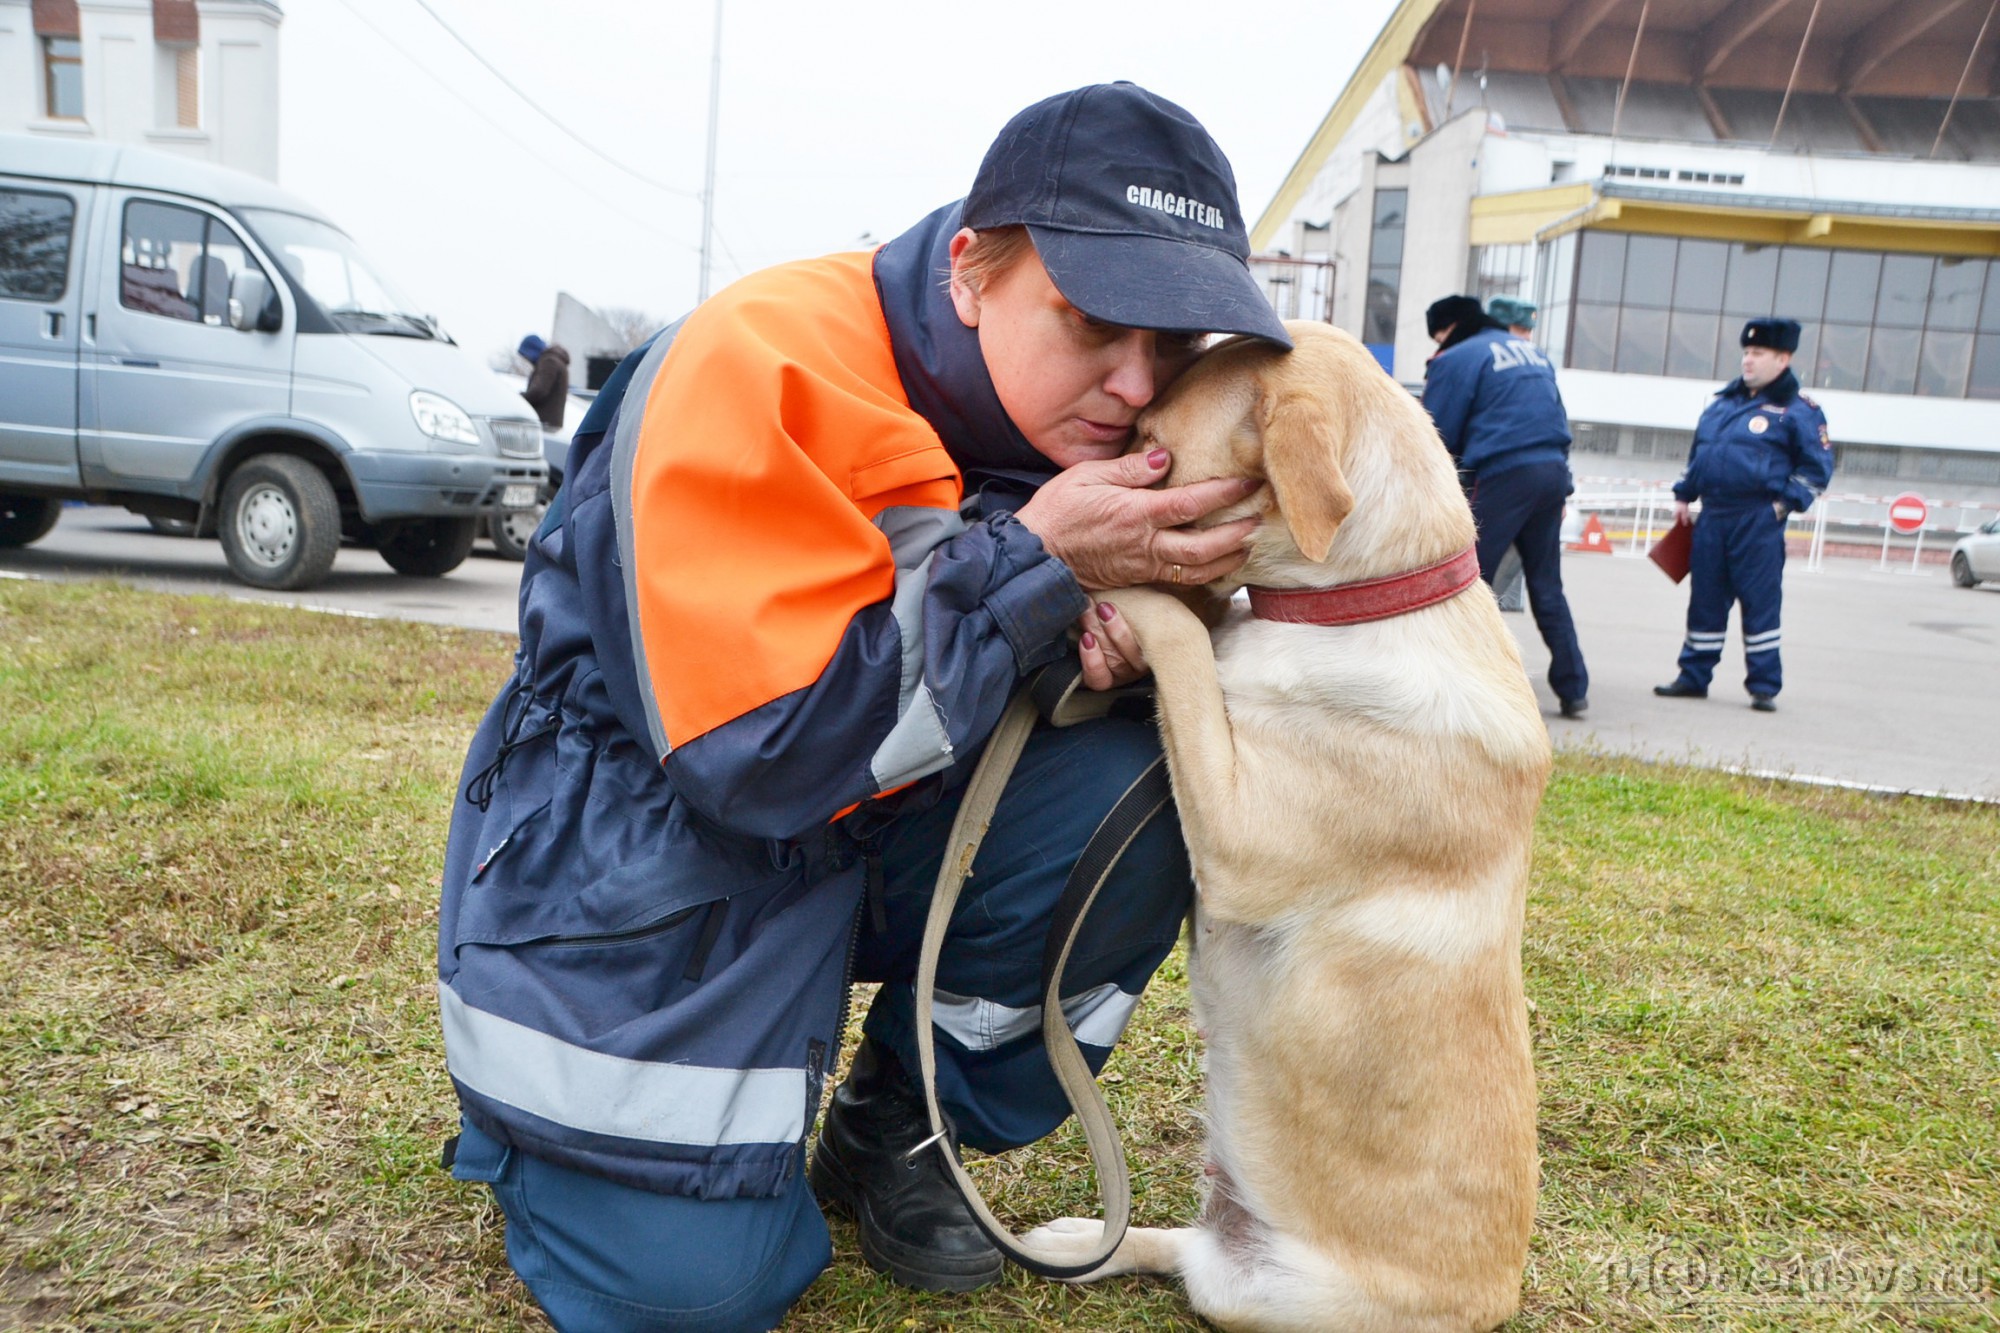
x=1907, y=512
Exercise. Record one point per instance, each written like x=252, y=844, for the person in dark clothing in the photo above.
x=548, y=382
x=1760, y=455
x=1493, y=397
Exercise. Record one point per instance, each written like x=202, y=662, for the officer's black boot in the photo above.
x=914, y=1225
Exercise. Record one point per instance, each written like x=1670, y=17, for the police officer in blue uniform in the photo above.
x=1760, y=455
x=1493, y=397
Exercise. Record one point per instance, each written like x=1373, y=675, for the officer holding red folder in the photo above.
x=1760, y=455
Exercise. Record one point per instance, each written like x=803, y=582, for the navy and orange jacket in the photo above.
x=781, y=595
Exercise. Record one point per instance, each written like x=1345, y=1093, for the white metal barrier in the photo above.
x=1851, y=519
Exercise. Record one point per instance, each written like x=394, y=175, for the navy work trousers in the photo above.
x=1738, y=555
x=604, y=1256
x=1522, y=508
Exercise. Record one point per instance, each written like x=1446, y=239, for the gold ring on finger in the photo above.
x=1174, y=574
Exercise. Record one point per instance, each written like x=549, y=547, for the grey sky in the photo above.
x=837, y=121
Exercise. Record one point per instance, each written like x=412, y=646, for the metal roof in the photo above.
x=1905, y=77
x=1895, y=48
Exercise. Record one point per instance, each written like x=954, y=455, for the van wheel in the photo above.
x=424, y=548
x=279, y=522
x=1961, y=570
x=26, y=519
x=510, y=530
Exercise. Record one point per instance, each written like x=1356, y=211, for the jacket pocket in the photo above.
x=602, y=849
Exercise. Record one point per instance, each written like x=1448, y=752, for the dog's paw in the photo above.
x=1089, y=1228
x=1069, y=1240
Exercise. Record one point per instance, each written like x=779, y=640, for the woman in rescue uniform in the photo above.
x=1760, y=455
x=812, y=538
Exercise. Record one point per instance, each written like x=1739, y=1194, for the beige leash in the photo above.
x=1062, y=702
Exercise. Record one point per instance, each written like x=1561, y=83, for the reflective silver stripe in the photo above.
x=918, y=744
x=624, y=452
x=608, y=1094
x=1097, y=1017
x=1761, y=643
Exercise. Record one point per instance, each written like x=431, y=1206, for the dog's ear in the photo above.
x=1302, y=459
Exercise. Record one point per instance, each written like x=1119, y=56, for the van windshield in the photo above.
x=335, y=273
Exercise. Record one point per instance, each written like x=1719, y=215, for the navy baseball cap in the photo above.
x=1780, y=335
x=1132, y=209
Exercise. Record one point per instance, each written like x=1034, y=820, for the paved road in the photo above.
x=1893, y=678
x=112, y=543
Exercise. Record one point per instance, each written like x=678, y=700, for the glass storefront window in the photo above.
x=1851, y=285
x=1594, y=341
x=1698, y=275
x=1801, y=285
x=1906, y=290
x=1379, y=319
x=1385, y=267
x=1649, y=271
x=1989, y=309
x=1753, y=277
x=1802, y=360
x=1955, y=290
x=1985, y=381
x=1892, y=360
x=1843, y=357
x=1642, y=340
x=1879, y=322
x=1600, y=273
x=1691, y=342
x=1946, y=358
x=1869, y=321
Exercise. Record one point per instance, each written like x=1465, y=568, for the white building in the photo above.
x=1653, y=172
x=198, y=77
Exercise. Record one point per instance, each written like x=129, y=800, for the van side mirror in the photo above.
x=252, y=303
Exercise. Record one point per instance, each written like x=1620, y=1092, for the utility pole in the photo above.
x=708, y=174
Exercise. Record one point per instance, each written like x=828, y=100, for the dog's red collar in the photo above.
x=1371, y=599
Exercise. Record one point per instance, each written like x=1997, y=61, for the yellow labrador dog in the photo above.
x=1358, y=796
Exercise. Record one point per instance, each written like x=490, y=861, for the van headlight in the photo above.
x=442, y=419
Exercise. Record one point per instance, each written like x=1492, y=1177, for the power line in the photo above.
x=543, y=111
x=650, y=225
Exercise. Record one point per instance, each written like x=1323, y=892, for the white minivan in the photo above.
x=203, y=348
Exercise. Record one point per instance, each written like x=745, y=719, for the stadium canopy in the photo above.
x=1901, y=78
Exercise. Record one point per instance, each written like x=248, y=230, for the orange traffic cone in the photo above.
x=1592, y=538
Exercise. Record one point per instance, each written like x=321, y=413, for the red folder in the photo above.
x=1671, y=552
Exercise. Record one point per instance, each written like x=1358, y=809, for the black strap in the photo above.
x=1146, y=797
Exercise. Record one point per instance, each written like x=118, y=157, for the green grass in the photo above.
x=1764, y=1018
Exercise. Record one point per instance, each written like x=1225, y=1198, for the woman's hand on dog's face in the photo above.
x=1100, y=519
x=1109, y=649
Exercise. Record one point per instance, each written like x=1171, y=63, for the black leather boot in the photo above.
x=914, y=1225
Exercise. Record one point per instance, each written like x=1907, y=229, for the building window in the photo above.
x=1879, y=322
x=62, y=78
x=187, y=87
x=1501, y=270
x=177, y=86
x=1385, y=267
